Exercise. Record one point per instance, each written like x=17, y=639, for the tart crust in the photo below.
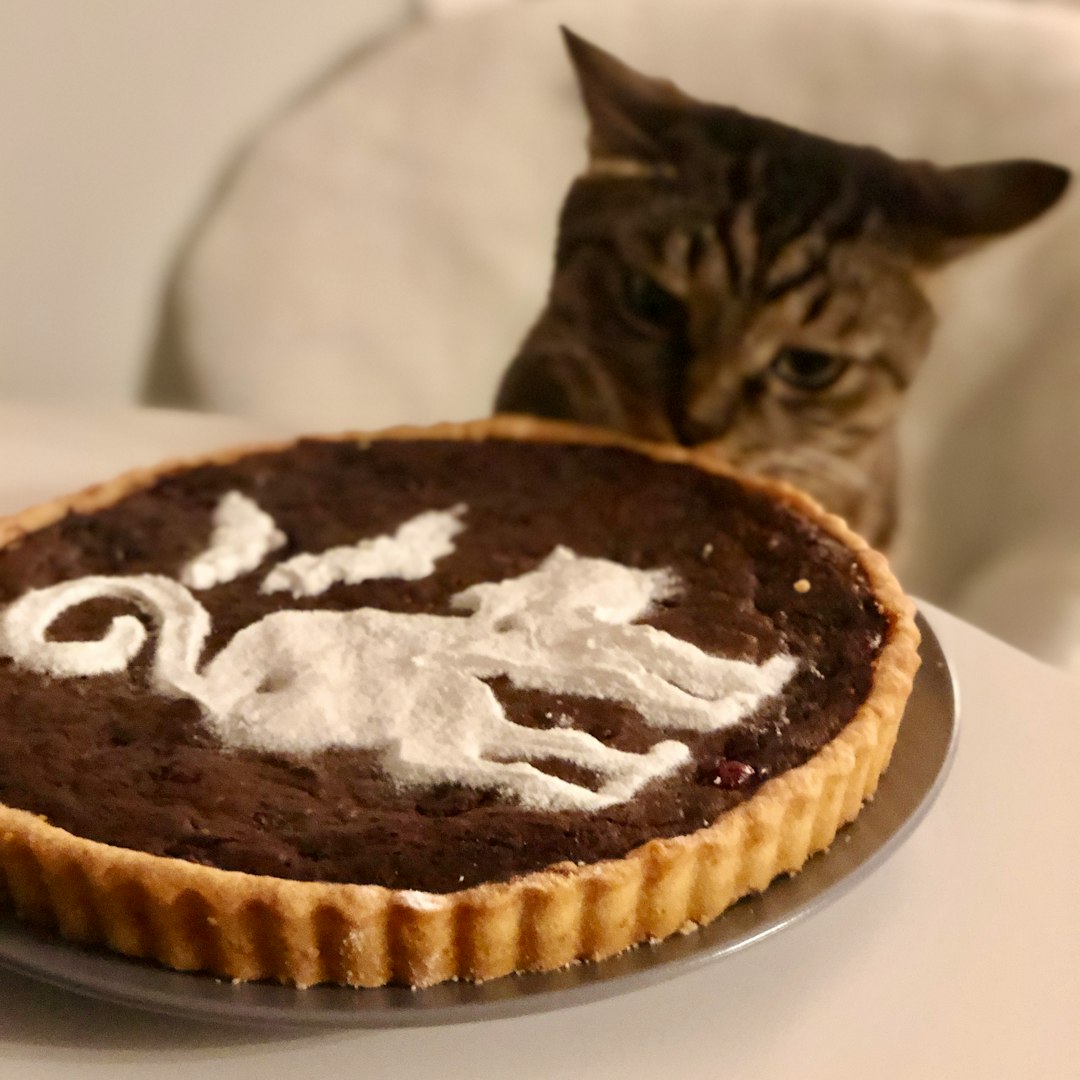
x=244, y=926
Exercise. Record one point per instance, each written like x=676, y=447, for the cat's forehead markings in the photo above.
x=794, y=263
x=629, y=168
x=799, y=263
x=744, y=238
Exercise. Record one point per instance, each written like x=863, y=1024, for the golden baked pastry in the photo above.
x=431, y=704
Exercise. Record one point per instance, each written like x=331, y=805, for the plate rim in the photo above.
x=97, y=973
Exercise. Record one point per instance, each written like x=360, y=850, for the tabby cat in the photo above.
x=728, y=281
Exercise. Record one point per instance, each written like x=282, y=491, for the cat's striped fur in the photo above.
x=726, y=280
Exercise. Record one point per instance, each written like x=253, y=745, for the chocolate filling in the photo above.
x=107, y=759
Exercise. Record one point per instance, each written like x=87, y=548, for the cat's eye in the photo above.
x=652, y=302
x=807, y=369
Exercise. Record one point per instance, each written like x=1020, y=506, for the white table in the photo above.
x=959, y=957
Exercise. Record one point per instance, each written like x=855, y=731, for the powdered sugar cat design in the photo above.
x=411, y=686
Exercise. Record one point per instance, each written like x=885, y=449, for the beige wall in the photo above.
x=115, y=115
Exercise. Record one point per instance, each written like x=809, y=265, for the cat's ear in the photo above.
x=627, y=110
x=973, y=203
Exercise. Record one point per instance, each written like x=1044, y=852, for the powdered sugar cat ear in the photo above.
x=410, y=553
x=244, y=534
x=242, y=537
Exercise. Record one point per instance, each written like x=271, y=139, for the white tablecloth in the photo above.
x=959, y=957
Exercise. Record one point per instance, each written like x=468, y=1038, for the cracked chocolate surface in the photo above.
x=107, y=759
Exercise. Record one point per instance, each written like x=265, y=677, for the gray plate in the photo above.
x=919, y=764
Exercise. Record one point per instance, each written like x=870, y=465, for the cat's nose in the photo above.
x=706, y=418
x=691, y=432
x=713, y=394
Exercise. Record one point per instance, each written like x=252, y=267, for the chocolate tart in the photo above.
x=127, y=819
